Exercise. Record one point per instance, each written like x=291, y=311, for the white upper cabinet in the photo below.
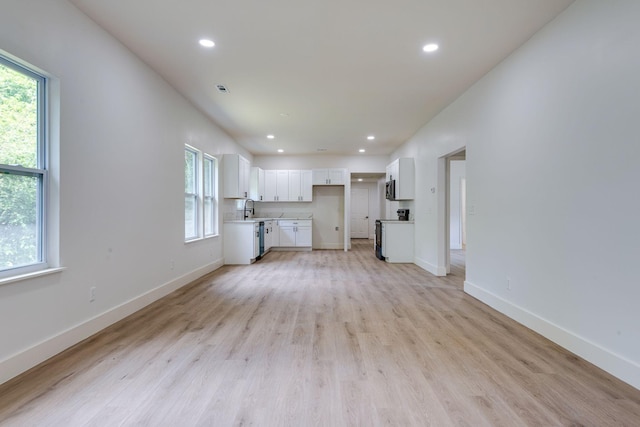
x=236, y=176
x=300, y=186
x=306, y=182
x=294, y=186
x=335, y=176
x=287, y=186
x=257, y=185
x=402, y=171
x=276, y=186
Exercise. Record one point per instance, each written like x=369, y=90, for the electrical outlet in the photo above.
x=508, y=283
x=92, y=294
x=337, y=228
x=172, y=264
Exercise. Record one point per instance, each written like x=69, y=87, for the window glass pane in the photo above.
x=190, y=217
x=190, y=170
x=18, y=118
x=208, y=216
x=208, y=174
x=19, y=220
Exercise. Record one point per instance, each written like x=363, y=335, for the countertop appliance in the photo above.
x=403, y=214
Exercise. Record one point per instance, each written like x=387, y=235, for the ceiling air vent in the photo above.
x=321, y=149
x=222, y=89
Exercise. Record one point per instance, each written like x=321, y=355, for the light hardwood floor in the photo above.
x=322, y=338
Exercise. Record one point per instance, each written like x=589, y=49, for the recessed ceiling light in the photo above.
x=371, y=137
x=360, y=180
x=431, y=47
x=280, y=150
x=206, y=43
x=362, y=150
x=270, y=136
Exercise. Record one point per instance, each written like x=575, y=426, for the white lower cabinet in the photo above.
x=397, y=241
x=241, y=242
x=269, y=236
x=295, y=233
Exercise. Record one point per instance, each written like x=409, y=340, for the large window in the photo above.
x=191, y=193
x=200, y=196
x=23, y=173
x=210, y=199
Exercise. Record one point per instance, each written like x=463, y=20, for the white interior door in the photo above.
x=359, y=213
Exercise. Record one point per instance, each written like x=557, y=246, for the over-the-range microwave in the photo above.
x=391, y=189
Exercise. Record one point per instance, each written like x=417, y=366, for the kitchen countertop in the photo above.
x=252, y=220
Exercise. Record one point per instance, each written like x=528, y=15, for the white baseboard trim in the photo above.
x=332, y=246
x=33, y=356
x=291, y=249
x=618, y=366
x=433, y=269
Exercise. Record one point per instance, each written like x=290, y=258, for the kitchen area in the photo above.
x=395, y=238
x=280, y=209
x=268, y=210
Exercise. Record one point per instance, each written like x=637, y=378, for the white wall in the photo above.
x=552, y=151
x=328, y=213
x=456, y=177
x=369, y=164
x=122, y=134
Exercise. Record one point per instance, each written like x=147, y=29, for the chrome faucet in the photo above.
x=248, y=211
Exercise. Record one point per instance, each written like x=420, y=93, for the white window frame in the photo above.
x=197, y=195
x=40, y=172
x=200, y=197
x=213, y=185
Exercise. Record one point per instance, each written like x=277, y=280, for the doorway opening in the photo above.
x=367, y=200
x=453, y=213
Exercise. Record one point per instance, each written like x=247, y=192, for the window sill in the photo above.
x=32, y=275
x=200, y=239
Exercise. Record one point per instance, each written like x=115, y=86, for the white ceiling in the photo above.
x=322, y=74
